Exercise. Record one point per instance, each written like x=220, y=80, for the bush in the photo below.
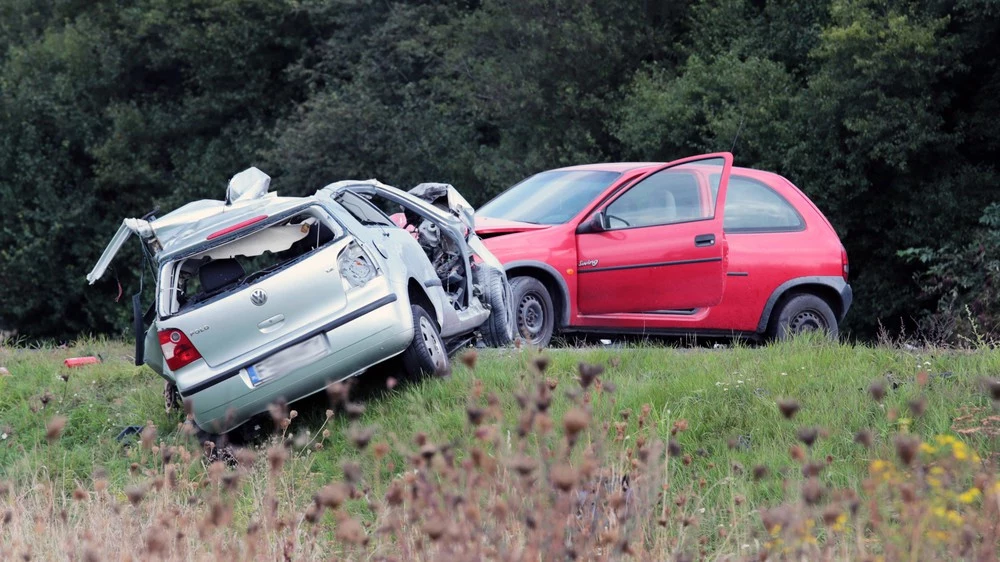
x=964, y=280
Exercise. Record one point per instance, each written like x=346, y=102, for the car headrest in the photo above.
x=219, y=273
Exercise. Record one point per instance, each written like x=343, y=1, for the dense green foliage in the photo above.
x=885, y=112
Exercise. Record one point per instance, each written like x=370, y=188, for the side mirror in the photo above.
x=596, y=223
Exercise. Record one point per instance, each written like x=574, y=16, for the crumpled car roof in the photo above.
x=191, y=224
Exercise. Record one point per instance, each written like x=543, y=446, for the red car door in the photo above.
x=657, y=245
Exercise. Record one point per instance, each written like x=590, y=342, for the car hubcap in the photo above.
x=432, y=341
x=807, y=321
x=531, y=316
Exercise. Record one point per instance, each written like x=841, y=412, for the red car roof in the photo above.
x=611, y=166
x=628, y=166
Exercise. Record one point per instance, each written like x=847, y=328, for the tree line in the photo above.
x=885, y=112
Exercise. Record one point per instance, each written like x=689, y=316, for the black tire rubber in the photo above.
x=172, y=400
x=497, y=330
x=534, y=315
x=804, y=313
x=417, y=358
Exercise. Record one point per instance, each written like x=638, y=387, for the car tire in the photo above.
x=534, y=315
x=804, y=313
x=172, y=400
x=426, y=353
x=497, y=330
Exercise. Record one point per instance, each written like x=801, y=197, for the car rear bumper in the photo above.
x=846, y=298
x=355, y=341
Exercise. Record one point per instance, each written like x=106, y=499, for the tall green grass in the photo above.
x=724, y=400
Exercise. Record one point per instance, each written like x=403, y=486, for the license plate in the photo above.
x=288, y=360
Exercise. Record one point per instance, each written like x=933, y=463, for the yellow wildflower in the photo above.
x=934, y=482
x=954, y=518
x=943, y=440
x=775, y=529
x=838, y=525
x=960, y=451
x=939, y=512
x=969, y=496
x=927, y=449
x=878, y=466
x=937, y=470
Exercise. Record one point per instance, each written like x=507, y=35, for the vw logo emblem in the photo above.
x=258, y=297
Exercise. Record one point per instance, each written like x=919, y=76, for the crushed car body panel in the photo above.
x=127, y=229
x=261, y=297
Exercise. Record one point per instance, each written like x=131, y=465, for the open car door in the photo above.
x=658, y=245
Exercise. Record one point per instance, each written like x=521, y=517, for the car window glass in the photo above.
x=551, y=197
x=363, y=210
x=669, y=196
x=752, y=206
x=198, y=278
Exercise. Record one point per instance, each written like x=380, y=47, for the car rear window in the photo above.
x=211, y=272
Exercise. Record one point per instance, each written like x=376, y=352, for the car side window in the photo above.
x=752, y=206
x=666, y=197
x=363, y=210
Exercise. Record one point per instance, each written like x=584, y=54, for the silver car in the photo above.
x=260, y=297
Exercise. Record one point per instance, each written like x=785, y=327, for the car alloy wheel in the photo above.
x=433, y=343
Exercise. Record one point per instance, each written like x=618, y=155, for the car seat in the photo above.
x=219, y=274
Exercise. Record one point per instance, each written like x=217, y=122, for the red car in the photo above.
x=694, y=246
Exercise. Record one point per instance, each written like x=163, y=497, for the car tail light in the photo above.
x=177, y=349
x=844, y=264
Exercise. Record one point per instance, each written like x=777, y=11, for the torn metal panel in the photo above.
x=125, y=231
x=248, y=184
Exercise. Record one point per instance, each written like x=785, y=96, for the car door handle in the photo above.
x=703, y=240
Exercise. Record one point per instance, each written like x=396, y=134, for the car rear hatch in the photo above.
x=233, y=299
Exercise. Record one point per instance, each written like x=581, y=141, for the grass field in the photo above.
x=666, y=453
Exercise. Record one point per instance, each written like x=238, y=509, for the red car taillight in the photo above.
x=845, y=266
x=178, y=350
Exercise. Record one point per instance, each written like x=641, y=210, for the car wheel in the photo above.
x=497, y=329
x=802, y=314
x=426, y=353
x=172, y=398
x=534, y=314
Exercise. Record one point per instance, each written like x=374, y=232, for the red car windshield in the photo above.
x=551, y=197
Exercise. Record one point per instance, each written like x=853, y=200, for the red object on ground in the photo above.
x=80, y=361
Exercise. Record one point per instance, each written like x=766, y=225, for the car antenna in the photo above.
x=737, y=136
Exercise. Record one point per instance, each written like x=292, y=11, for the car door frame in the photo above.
x=586, y=226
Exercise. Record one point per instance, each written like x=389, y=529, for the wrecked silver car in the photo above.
x=260, y=297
